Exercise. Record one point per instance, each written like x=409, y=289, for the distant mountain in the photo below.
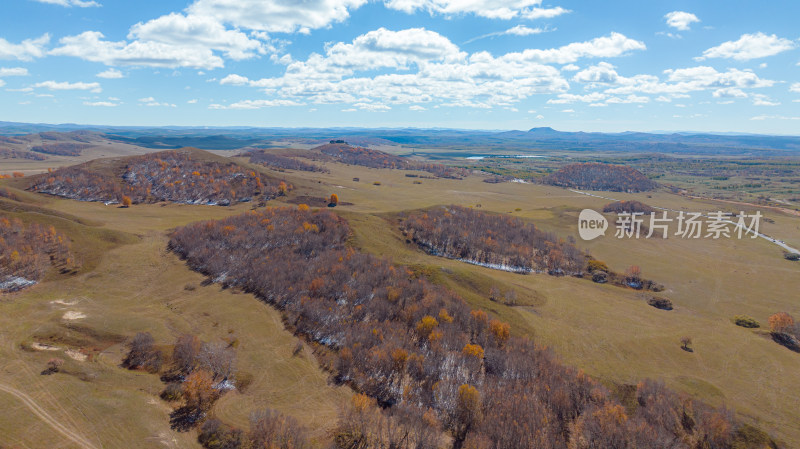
x=535, y=139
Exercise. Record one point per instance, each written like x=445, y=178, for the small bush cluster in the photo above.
x=28, y=250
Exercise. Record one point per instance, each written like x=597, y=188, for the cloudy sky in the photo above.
x=707, y=65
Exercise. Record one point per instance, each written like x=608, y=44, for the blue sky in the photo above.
x=486, y=64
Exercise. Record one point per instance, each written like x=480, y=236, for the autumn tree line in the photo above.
x=28, y=250
x=498, y=240
x=367, y=157
x=429, y=371
x=175, y=176
x=282, y=162
x=61, y=148
x=598, y=176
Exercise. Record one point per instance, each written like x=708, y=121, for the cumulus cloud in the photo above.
x=195, y=31
x=680, y=82
x=110, y=74
x=795, y=87
x=749, y=46
x=26, y=50
x=492, y=9
x=602, y=73
x=55, y=85
x=284, y=16
x=71, y=3
x=681, y=20
x=13, y=71
x=427, y=68
x=92, y=46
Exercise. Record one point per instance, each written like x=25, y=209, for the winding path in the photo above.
x=780, y=243
x=44, y=416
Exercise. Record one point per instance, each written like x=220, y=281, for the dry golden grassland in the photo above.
x=130, y=283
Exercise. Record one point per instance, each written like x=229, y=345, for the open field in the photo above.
x=129, y=283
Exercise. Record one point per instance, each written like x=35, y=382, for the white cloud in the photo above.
x=613, y=45
x=196, y=31
x=774, y=117
x=681, y=20
x=682, y=81
x=602, y=73
x=284, y=16
x=543, y=13
x=256, y=104
x=13, y=71
x=628, y=100
x=105, y=104
x=492, y=9
x=26, y=50
x=151, y=102
x=192, y=101
x=763, y=100
x=54, y=85
x=2, y=83
x=571, y=98
x=568, y=110
x=111, y=74
x=71, y=3
x=795, y=87
x=570, y=68
x=749, y=46
x=729, y=92
x=519, y=30
x=234, y=80
x=417, y=108
x=91, y=46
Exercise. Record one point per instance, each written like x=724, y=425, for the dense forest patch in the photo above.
x=417, y=350
x=176, y=176
x=496, y=241
x=597, y=176
x=630, y=207
x=28, y=250
x=6, y=153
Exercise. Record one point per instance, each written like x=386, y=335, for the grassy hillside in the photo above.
x=129, y=283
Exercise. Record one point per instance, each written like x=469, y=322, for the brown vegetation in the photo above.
x=176, y=176
x=378, y=159
x=495, y=240
x=28, y=250
x=61, y=149
x=423, y=361
x=597, y=176
x=282, y=162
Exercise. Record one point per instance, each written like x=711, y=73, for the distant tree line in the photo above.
x=62, y=148
x=378, y=159
x=597, y=176
x=282, y=162
x=421, y=360
x=6, y=153
x=175, y=176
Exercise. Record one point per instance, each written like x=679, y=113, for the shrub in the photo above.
x=780, y=322
x=746, y=321
x=173, y=392
x=601, y=277
x=660, y=303
x=596, y=265
x=791, y=256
